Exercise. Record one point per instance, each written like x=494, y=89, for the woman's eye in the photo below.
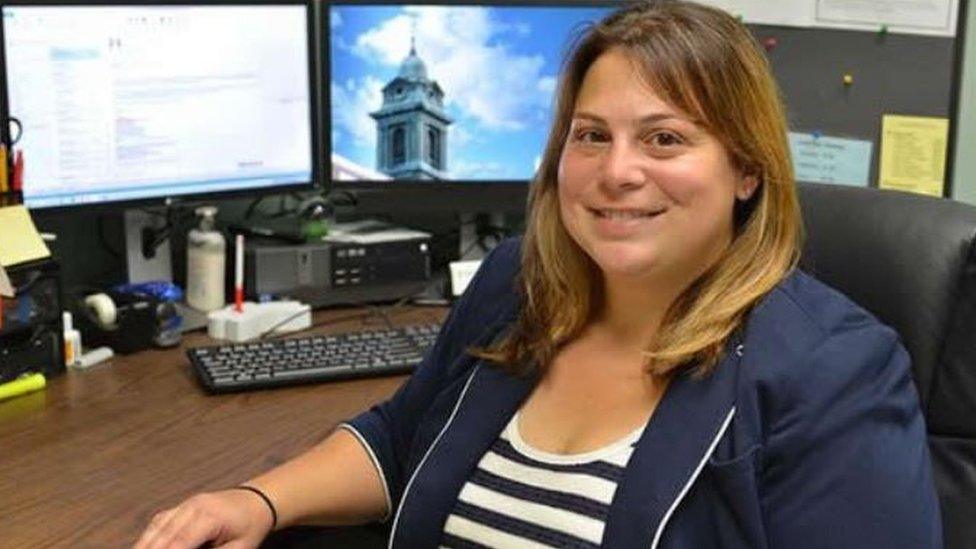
x=589, y=136
x=664, y=139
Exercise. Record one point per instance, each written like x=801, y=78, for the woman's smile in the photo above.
x=622, y=222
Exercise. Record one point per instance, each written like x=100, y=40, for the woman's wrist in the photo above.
x=266, y=502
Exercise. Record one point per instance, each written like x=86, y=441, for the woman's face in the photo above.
x=642, y=189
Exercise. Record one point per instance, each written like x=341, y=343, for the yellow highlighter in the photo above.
x=24, y=384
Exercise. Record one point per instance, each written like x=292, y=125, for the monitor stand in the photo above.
x=158, y=267
x=468, y=246
x=140, y=267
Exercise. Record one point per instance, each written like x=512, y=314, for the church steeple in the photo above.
x=413, y=67
x=412, y=124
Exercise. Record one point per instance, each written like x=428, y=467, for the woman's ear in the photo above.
x=747, y=186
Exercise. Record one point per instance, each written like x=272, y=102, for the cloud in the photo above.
x=339, y=43
x=335, y=19
x=466, y=52
x=461, y=169
x=547, y=84
x=352, y=101
x=461, y=137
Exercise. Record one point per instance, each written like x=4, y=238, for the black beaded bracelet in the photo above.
x=262, y=495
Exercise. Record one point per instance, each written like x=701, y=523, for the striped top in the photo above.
x=522, y=497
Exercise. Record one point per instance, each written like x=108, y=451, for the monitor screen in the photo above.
x=132, y=102
x=420, y=94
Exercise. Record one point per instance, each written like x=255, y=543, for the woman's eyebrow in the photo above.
x=644, y=120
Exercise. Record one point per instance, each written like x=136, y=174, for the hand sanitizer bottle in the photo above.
x=205, y=263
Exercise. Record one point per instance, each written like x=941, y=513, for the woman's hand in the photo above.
x=234, y=519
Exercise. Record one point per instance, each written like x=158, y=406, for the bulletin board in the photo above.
x=839, y=78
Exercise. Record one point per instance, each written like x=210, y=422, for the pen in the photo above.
x=4, y=185
x=239, y=274
x=17, y=183
x=22, y=385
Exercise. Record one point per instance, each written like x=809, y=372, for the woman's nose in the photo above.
x=622, y=168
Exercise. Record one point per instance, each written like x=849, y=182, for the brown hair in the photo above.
x=707, y=64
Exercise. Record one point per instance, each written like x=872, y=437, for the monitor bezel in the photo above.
x=312, y=46
x=416, y=196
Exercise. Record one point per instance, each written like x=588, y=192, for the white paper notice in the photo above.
x=793, y=13
x=824, y=159
x=933, y=17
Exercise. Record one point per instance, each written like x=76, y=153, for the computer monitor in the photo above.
x=123, y=103
x=443, y=106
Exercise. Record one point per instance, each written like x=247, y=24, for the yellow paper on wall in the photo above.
x=19, y=240
x=913, y=153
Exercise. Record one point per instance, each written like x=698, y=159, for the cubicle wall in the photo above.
x=964, y=165
x=887, y=72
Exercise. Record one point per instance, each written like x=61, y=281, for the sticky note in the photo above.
x=823, y=159
x=6, y=288
x=913, y=153
x=19, y=240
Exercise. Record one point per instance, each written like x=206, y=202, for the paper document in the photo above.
x=823, y=159
x=932, y=17
x=370, y=231
x=913, y=153
x=462, y=272
x=794, y=13
x=19, y=240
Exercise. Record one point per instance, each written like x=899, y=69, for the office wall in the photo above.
x=964, y=178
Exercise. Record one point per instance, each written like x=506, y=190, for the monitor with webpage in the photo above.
x=125, y=103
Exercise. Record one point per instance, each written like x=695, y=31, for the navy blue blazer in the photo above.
x=807, y=434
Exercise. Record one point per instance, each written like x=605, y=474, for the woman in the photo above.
x=646, y=368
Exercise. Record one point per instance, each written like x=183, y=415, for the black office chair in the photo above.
x=911, y=261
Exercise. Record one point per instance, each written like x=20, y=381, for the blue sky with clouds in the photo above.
x=497, y=66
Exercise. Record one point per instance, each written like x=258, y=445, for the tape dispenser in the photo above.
x=128, y=322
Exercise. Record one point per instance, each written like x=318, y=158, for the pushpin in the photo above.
x=848, y=79
x=770, y=43
x=883, y=31
x=816, y=134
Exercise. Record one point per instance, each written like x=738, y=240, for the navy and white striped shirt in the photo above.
x=522, y=497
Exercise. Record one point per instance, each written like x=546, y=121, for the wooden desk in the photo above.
x=87, y=462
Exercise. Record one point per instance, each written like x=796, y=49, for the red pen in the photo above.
x=239, y=274
x=17, y=182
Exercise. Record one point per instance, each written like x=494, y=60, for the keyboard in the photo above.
x=312, y=359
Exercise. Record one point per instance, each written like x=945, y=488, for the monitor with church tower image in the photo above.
x=443, y=96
